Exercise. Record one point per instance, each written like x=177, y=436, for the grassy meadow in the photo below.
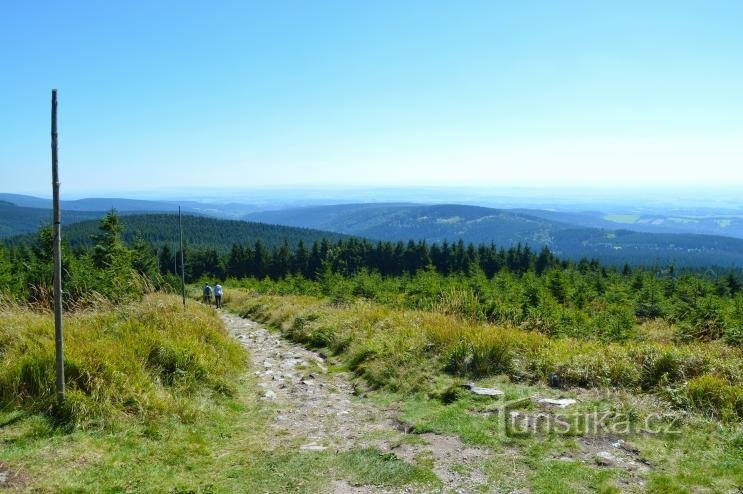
x=416, y=360
x=159, y=399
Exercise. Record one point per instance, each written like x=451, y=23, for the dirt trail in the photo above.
x=317, y=411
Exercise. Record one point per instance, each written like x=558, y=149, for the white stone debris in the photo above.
x=483, y=391
x=560, y=402
x=605, y=459
x=313, y=447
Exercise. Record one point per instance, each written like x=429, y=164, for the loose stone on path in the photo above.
x=318, y=411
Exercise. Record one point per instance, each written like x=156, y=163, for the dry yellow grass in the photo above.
x=405, y=350
x=149, y=358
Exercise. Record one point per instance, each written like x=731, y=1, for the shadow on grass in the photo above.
x=10, y=418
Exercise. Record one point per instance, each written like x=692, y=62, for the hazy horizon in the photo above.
x=557, y=198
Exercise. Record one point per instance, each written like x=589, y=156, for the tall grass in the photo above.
x=148, y=359
x=405, y=350
x=560, y=303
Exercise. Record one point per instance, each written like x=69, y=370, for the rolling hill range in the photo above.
x=507, y=227
x=437, y=223
x=199, y=231
x=20, y=214
x=706, y=221
x=15, y=220
x=703, y=223
x=568, y=234
x=123, y=205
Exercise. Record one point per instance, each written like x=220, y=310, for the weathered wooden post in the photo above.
x=57, y=219
x=183, y=266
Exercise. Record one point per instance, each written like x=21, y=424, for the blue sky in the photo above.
x=251, y=94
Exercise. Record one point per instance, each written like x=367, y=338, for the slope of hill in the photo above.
x=507, y=227
x=123, y=205
x=15, y=220
x=91, y=204
x=638, y=248
x=705, y=221
x=199, y=231
x=421, y=222
x=702, y=223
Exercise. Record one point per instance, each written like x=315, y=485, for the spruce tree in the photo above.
x=144, y=258
x=166, y=260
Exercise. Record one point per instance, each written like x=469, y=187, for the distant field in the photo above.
x=622, y=218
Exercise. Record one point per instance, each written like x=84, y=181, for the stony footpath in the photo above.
x=319, y=411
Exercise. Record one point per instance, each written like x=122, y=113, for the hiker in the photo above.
x=218, y=295
x=208, y=294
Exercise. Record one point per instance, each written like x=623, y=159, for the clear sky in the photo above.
x=216, y=94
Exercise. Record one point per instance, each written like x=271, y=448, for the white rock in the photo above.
x=605, y=459
x=483, y=391
x=561, y=402
x=312, y=447
x=269, y=395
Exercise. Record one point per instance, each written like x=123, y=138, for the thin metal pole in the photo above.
x=58, y=333
x=183, y=266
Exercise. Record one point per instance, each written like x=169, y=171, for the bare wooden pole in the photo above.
x=183, y=266
x=58, y=333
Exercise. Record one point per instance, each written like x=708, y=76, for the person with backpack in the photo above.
x=218, y=295
x=207, y=299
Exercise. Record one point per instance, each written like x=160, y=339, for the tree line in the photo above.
x=350, y=256
x=514, y=285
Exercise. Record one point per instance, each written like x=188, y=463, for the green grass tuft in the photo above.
x=405, y=350
x=146, y=359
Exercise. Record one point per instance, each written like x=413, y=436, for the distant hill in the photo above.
x=705, y=221
x=638, y=248
x=507, y=227
x=386, y=221
x=15, y=220
x=91, y=204
x=199, y=231
x=568, y=234
x=123, y=205
x=702, y=223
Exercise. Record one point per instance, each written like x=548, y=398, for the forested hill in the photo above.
x=480, y=225
x=433, y=223
x=198, y=231
x=15, y=220
x=396, y=222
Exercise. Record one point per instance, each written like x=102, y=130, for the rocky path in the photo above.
x=317, y=411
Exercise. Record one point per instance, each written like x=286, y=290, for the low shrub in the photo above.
x=405, y=350
x=715, y=396
x=146, y=359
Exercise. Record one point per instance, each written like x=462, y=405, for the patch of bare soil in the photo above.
x=610, y=451
x=317, y=411
x=11, y=478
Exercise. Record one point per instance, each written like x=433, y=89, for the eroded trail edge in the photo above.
x=317, y=411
